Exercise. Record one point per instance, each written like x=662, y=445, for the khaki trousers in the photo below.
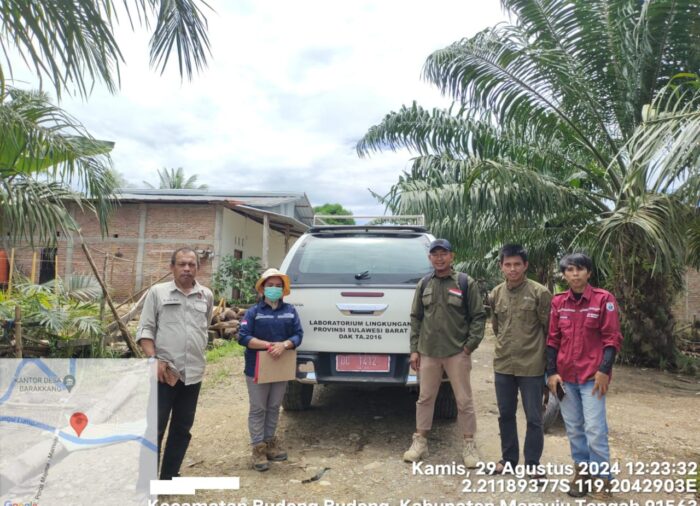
x=458, y=368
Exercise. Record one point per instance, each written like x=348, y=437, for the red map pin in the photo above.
x=78, y=421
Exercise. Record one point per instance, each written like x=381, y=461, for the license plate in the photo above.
x=362, y=363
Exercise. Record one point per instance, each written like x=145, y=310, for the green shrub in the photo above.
x=236, y=276
x=55, y=311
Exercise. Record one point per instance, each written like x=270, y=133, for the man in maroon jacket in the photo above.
x=584, y=337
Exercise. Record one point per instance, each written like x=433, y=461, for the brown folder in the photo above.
x=269, y=370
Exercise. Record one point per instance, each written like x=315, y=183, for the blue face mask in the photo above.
x=273, y=293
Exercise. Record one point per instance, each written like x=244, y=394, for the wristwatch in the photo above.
x=285, y=345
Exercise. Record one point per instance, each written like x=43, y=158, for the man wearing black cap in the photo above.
x=447, y=325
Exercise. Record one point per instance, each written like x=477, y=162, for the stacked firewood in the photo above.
x=226, y=322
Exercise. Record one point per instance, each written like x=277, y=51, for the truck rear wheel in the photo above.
x=445, y=403
x=298, y=396
x=551, y=415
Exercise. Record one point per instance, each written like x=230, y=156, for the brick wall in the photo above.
x=687, y=307
x=166, y=228
x=160, y=228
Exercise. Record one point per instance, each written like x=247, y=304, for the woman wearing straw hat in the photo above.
x=271, y=325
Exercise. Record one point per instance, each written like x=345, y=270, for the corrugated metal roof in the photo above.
x=255, y=199
x=296, y=227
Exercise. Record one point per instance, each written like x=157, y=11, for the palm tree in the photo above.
x=47, y=160
x=46, y=157
x=72, y=42
x=175, y=179
x=568, y=130
x=120, y=181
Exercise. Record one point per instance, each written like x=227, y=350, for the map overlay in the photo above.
x=77, y=431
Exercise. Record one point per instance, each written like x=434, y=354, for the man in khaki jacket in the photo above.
x=447, y=325
x=520, y=321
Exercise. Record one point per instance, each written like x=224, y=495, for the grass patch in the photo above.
x=231, y=349
x=221, y=375
x=218, y=375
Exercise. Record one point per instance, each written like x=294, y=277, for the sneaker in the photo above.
x=470, y=454
x=260, y=457
x=600, y=489
x=418, y=449
x=579, y=485
x=275, y=451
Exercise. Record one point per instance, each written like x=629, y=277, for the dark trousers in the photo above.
x=507, y=386
x=181, y=402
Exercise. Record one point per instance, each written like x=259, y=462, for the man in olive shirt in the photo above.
x=447, y=325
x=520, y=321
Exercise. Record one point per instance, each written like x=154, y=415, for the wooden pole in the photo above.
x=34, y=255
x=124, y=331
x=12, y=270
x=138, y=294
x=104, y=275
x=111, y=267
x=18, y=331
x=133, y=278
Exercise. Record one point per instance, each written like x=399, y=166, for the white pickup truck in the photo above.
x=353, y=287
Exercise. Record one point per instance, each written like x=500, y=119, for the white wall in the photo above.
x=240, y=232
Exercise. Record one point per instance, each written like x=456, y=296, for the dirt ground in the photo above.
x=360, y=436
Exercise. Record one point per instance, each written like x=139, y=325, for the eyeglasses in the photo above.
x=441, y=254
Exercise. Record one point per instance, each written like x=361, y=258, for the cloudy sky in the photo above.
x=290, y=88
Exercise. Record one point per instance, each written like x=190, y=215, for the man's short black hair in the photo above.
x=184, y=249
x=580, y=260
x=512, y=250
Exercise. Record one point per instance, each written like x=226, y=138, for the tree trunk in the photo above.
x=647, y=320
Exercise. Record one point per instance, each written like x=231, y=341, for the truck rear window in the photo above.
x=360, y=260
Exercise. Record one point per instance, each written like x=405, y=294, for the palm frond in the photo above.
x=48, y=159
x=651, y=226
x=549, y=144
x=666, y=146
x=181, y=23
x=78, y=287
x=693, y=252
x=33, y=211
x=72, y=43
x=496, y=70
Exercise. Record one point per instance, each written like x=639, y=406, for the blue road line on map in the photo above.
x=41, y=365
x=39, y=425
x=81, y=441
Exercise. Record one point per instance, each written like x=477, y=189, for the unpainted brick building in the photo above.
x=148, y=225
x=687, y=307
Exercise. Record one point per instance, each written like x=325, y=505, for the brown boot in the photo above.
x=275, y=451
x=260, y=457
x=600, y=489
x=579, y=485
